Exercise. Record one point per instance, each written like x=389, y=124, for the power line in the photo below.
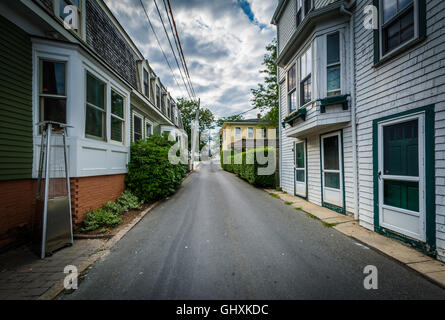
x=171, y=46
x=176, y=44
x=160, y=47
x=179, y=41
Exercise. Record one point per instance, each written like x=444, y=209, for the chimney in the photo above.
x=259, y=116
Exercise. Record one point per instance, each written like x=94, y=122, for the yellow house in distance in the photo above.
x=249, y=132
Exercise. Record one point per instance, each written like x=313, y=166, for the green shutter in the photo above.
x=16, y=137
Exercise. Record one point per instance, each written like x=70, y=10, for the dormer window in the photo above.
x=64, y=10
x=158, y=96
x=333, y=64
x=145, y=84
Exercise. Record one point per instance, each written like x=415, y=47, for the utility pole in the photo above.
x=195, y=134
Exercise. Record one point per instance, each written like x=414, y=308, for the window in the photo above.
x=169, y=108
x=398, y=23
x=291, y=88
x=264, y=133
x=237, y=132
x=137, y=127
x=158, y=96
x=307, y=6
x=52, y=91
x=333, y=63
x=75, y=22
x=163, y=102
x=299, y=12
x=148, y=129
x=305, y=77
x=95, y=108
x=250, y=132
x=117, y=117
x=145, y=84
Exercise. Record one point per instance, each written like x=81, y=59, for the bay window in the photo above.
x=52, y=93
x=306, y=77
x=95, y=108
x=292, y=88
x=117, y=117
x=333, y=64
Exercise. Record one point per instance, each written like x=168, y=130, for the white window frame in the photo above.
x=240, y=132
x=43, y=95
x=250, y=130
x=403, y=45
x=292, y=91
x=146, y=91
x=137, y=115
x=117, y=117
x=87, y=104
x=300, y=79
x=339, y=63
x=145, y=128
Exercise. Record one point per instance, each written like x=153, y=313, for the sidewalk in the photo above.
x=430, y=268
x=23, y=276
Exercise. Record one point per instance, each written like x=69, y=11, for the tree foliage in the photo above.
x=188, y=113
x=265, y=97
x=221, y=121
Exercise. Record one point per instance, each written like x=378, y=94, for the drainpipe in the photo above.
x=353, y=110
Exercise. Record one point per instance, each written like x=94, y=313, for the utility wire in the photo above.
x=177, y=46
x=160, y=47
x=171, y=46
x=179, y=41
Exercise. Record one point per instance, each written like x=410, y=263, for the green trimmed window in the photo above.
x=53, y=94
x=95, y=108
x=305, y=77
x=401, y=22
x=117, y=117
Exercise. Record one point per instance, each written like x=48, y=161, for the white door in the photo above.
x=331, y=169
x=401, y=173
x=300, y=169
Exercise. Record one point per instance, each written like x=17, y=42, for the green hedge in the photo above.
x=245, y=165
x=151, y=176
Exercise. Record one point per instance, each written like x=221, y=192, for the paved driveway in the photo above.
x=220, y=238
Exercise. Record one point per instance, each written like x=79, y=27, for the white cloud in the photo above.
x=223, y=48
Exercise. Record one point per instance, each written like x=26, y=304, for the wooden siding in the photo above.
x=286, y=147
x=412, y=79
x=16, y=144
x=287, y=25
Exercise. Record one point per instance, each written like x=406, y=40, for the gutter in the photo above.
x=353, y=109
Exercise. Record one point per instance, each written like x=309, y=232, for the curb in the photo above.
x=53, y=292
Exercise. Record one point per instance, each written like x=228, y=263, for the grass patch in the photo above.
x=275, y=195
x=299, y=209
x=329, y=225
x=279, y=189
x=312, y=216
x=288, y=203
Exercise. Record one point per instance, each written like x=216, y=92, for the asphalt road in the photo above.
x=220, y=238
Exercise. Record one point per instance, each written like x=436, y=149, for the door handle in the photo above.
x=380, y=175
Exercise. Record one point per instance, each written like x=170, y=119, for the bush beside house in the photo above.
x=246, y=166
x=151, y=176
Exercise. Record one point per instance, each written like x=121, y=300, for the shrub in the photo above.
x=151, y=176
x=101, y=218
x=249, y=169
x=128, y=201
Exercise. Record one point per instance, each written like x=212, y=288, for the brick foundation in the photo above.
x=18, y=203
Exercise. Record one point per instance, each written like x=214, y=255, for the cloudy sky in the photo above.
x=223, y=40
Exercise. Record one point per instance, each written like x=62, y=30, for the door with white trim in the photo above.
x=300, y=169
x=401, y=175
x=331, y=169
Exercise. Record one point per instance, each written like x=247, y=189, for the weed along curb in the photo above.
x=58, y=288
x=431, y=269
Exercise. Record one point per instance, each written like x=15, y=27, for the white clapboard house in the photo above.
x=362, y=108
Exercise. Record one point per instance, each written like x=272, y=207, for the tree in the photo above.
x=188, y=114
x=265, y=97
x=221, y=121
